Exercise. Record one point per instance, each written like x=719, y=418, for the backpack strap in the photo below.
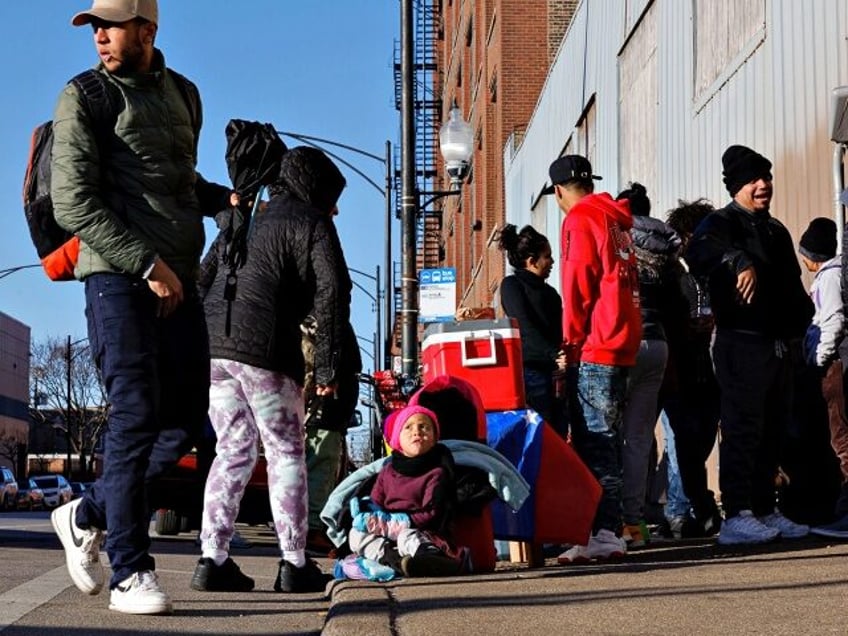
x=102, y=100
x=191, y=96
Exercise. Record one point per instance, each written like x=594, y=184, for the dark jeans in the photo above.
x=156, y=374
x=755, y=379
x=596, y=403
x=540, y=396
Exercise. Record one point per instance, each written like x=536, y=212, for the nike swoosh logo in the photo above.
x=77, y=540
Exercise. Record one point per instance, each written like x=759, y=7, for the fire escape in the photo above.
x=427, y=120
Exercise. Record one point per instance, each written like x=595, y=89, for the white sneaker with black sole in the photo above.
x=82, y=548
x=140, y=594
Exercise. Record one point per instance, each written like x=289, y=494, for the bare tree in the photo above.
x=12, y=448
x=80, y=403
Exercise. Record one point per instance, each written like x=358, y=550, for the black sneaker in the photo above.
x=226, y=577
x=391, y=558
x=430, y=564
x=309, y=578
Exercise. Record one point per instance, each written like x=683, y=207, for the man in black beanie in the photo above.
x=760, y=305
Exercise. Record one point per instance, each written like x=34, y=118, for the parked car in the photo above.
x=8, y=489
x=78, y=487
x=30, y=496
x=57, y=490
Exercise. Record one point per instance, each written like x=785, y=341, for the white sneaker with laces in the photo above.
x=788, y=529
x=602, y=545
x=746, y=529
x=82, y=548
x=140, y=594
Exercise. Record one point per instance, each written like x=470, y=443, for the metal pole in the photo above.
x=68, y=413
x=377, y=359
x=409, y=202
x=388, y=289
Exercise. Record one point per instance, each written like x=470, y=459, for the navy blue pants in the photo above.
x=156, y=374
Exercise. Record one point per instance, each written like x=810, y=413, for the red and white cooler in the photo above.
x=486, y=353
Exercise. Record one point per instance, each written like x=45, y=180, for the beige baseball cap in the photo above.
x=118, y=11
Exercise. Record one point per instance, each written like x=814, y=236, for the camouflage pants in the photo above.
x=249, y=405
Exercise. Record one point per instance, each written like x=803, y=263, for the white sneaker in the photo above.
x=82, y=548
x=603, y=545
x=788, y=529
x=746, y=529
x=140, y=594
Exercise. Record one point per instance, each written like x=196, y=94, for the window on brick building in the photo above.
x=725, y=35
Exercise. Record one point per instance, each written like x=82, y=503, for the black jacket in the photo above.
x=538, y=308
x=732, y=239
x=294, y=267
x=660, y=298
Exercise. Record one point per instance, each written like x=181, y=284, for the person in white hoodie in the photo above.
x=821, y=348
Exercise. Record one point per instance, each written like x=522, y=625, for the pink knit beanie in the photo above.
x=394, y=423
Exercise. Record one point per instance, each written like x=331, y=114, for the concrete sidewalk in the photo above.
x=692, y=587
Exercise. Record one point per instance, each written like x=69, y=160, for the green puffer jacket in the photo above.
x=140, y=201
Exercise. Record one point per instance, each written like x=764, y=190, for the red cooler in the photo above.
x=486, y=353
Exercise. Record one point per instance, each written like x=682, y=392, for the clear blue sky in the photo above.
x=321, y=67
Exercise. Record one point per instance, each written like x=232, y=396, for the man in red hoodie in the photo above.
x=602, y=329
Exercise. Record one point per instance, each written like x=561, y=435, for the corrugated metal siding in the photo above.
x=777, y=101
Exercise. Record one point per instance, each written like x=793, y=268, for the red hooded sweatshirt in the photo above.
x=600, y=284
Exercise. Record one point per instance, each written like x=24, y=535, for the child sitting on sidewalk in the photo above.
x=408, y=525
x=821, y=343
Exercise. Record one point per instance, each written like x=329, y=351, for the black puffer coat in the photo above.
x=293, y=268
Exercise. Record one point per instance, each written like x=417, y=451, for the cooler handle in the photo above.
x=483, y=361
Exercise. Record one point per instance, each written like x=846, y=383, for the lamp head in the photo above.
x=456, y=141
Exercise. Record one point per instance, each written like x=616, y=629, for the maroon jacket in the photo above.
x=417, y=486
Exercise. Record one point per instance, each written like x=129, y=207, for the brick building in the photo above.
x=492, y=57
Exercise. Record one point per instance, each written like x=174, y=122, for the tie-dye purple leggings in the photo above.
x=248, y=404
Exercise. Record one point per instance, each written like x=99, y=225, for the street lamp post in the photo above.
x=376, y=298
x=460, y=138
x=68, y=362
x=386, y=191
x=11, y=270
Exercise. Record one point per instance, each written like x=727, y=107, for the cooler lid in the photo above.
x=469, y=325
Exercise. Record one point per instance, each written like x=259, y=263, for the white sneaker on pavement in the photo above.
x=82, y=548
x=746, y=529
x=140, y=594
x=602, y=545
x=788, y=529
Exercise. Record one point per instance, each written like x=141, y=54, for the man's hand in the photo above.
x=164, y=283
x=746, y=284
x=325, y=389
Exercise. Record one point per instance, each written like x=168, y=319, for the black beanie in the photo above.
x=818, y=242
x=743, y=165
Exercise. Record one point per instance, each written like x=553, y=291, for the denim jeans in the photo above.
x=156, y=374
x=596, y=403
x=677, y=505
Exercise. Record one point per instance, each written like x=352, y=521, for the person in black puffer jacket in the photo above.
x=656, y=247
x=294, y=268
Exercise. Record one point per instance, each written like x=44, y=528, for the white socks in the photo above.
x=218, y=556
x=296, y=557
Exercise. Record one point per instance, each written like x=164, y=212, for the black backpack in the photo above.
x=57, y=249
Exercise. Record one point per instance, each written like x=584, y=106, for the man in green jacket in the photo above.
x=133, y=197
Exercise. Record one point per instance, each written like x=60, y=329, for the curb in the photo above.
x=359, y=608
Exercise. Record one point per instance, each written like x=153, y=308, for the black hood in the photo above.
x=311, y=176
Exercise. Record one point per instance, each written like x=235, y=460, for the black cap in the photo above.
x=818, y=242
x=569, y=168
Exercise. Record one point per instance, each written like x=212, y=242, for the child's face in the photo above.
x=417, y=436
